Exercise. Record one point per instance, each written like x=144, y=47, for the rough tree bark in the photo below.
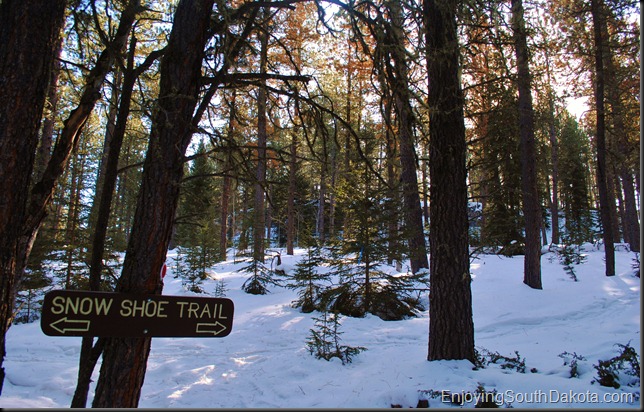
x=392, y=189
x=630, y=219
x=290, y=205
x=602, y=185
x=26, y=62
x=451, y=326
x=259, y=216
x=399, y=84
x=529, y=192
x=49, y=120
x=226, y=188
x=554, y=157
x=42, y=192
x=89, y=354
x=125, y=359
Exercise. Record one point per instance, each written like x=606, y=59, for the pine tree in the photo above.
x=190, y=268
x=574, y=177
x=324, y=341
x=261, y=278
x=358, y=257
x=308, y=281
x=451, y=324
x=532, y=215
x=502, y=226
x=124, y=359
x=196, y=228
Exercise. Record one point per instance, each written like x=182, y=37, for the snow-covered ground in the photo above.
x=265, y=363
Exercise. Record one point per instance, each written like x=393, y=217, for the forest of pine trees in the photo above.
x=368, y=133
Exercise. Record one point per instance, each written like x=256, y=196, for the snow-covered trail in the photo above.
x=264, y=362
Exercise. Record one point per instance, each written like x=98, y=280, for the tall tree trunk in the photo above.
x=225, y=201
x=612, y=188
x=290, y=202
x=49, y=121
x=602, y=170
x=89, y=354
x=334, y=181
x=42, y=192
x=392, y=185
x=425, y=185
x=78, y=171
x=405, y=117
x=26, y=61
x=554, y=202
x=320, y=229
x=269, y=217
x=451, y=325
x=630, y=220
x=619, y=199
x=115, y=94
x=554, y=156
x=530, y=194
x=346, y=164
x=125, y=359
x=228, y=181
x=260, y=184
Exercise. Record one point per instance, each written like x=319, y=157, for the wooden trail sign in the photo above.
x=83, y=313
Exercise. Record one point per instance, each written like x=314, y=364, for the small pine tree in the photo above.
x=261, y=277
x=324, y=341
x=220, y=289
x=569, y=256
x=308, y=280
x=359, y=255
x=30, y=296
x=190, y=268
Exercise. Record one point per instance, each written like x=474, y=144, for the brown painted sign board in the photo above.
x=84, y=313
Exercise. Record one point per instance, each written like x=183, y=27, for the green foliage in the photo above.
x=308, y=280
x=261, y=277
x=623, y=369
x=572, y=359
x=368, y=242
x=500, y=174
x=363, y=288
x=574, y=177
x=324, y=340
x=196, y=218
x=196, y=231
x=192, y=264
x=29, y=299
x=569, y=256
x=305, y=211
x=506, y=362
x=220, y=289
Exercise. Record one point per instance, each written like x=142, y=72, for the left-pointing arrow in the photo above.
x=65, y=325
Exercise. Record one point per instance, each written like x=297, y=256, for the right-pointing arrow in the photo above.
x=65, y=325
x=214, y=328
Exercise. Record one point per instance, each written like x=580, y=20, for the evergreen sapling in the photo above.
x=308, y=281
x=324, y=341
